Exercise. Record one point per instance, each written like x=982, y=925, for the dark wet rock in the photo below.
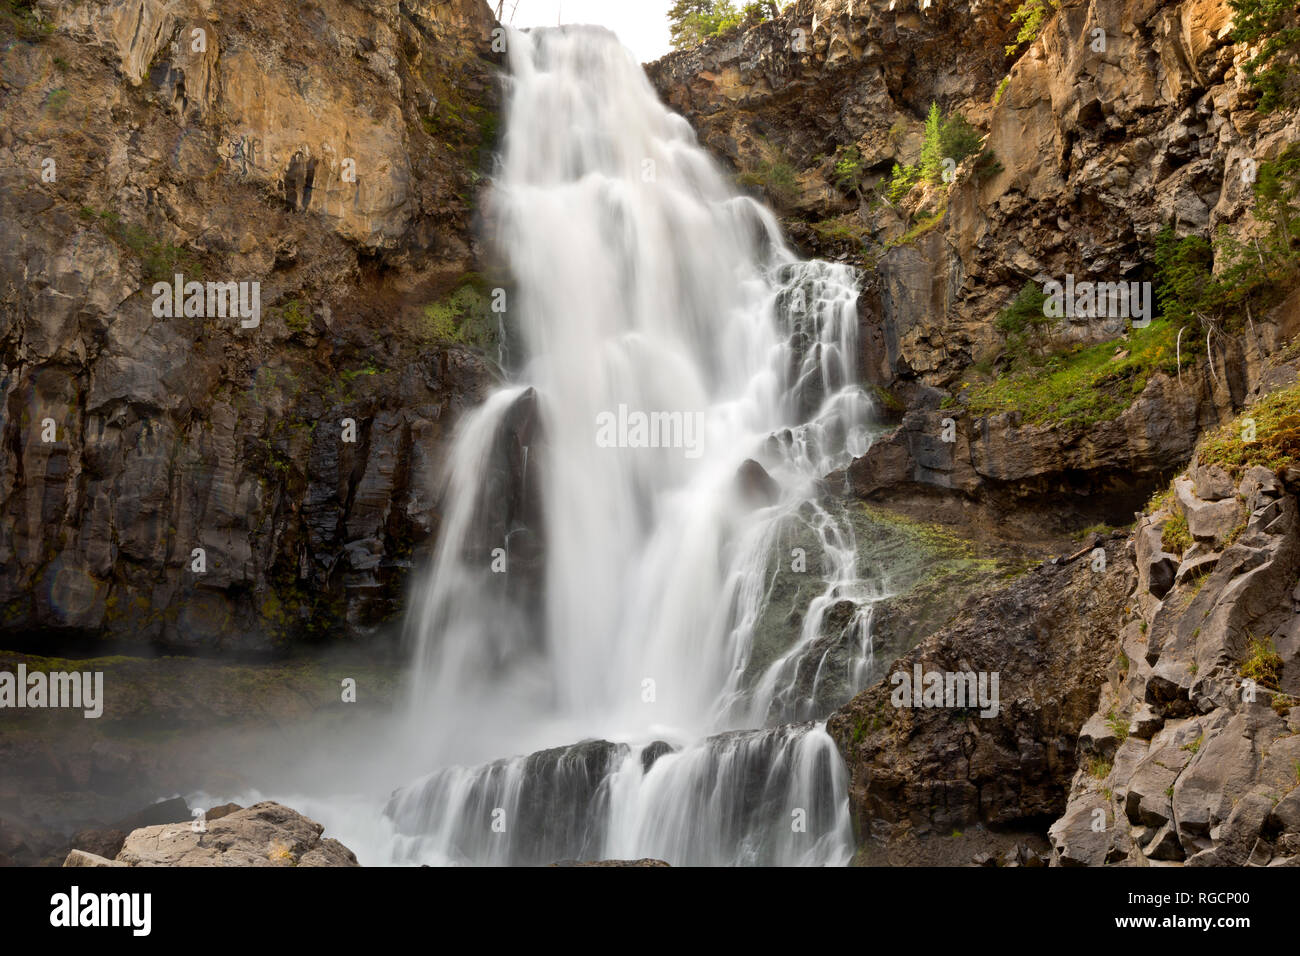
x=941, y=769
x=756, y=488
x=653, y=752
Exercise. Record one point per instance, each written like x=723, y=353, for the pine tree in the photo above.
x=931, y=148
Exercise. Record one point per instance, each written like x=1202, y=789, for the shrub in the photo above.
x=1174, y=537
x=1222, y=282
x=901, y=181
x=1263, y=664
x=1031, y=15
x=958, y=138
x=848, y=170
x=1024, y=322
x=464, y=317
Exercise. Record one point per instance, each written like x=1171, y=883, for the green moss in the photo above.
x=1002, y=88
x=920, y=228
x=888, y=400
x=846, y=228
x=297, y=315
x=1082, y=386
x=463, y=317
x=1275, y=443
x=159, y=259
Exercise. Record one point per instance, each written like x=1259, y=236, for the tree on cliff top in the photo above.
x=691, y=22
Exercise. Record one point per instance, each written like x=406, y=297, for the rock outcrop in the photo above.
x=197, y=481
x=1193, y=753
x=931, y=771
x=265, y=834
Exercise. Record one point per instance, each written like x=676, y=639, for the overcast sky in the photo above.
x=640, y=24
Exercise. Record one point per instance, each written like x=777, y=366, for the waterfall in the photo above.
x=628, y=517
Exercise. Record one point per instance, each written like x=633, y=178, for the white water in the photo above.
x=643, y=279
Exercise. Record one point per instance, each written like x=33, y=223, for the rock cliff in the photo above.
x=207, y=482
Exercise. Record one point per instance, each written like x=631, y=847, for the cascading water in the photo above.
x=590, y=586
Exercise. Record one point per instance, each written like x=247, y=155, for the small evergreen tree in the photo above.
x=931, y=147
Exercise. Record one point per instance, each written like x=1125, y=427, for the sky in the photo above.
x=640, y=24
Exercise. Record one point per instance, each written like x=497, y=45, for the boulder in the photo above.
x=1209, y=521
x=265, y=834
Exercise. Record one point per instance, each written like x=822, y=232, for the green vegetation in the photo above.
x=774, y=177
x=849, y=170
x=846, y=228
x=297, y=315
x=958, y=138
x=1024, y=322
x=1263, y=664
x=1100, y=767
x=20, y=18
x=464, y=317
x=951, y=138
x=1195, y=745
x=947, y=139
x=888, y=400
x=1174, y=536
x=932, y=146
x=1118, y=725
x=920, y=227
x=1031, y=15
x=691, y=22
x=901, y=181
x=1002, y=88
x=159, y=260
x=1267, y=433
x=1081, y=386
x=1220, y=283
x=1273, y=71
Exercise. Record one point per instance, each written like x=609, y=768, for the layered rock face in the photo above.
x=211, y=480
